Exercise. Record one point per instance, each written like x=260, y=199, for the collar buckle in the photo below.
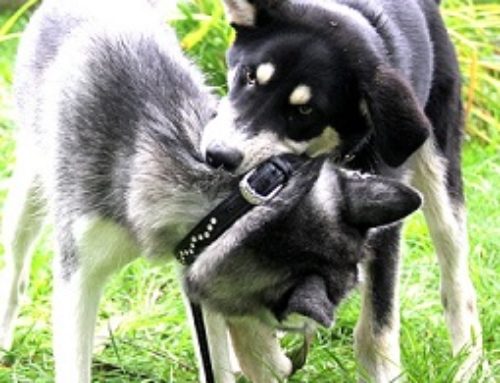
x=251, y=195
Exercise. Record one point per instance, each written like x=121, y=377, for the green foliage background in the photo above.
x=142, y=318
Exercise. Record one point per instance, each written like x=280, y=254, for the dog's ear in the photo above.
x=372, y=201
x=392, y=109
x=248, y=13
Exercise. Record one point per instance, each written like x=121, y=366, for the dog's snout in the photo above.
x=221, y=156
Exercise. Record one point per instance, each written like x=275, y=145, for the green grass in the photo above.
x=152, y=341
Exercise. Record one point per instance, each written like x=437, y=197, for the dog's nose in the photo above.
x=221, y=156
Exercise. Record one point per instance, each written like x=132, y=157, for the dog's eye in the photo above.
x=250, y=76
x=305, y=110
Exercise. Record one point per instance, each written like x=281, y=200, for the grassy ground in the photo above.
x=142, y=317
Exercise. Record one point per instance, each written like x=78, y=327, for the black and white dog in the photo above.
x=376, y=84
x=111, y=114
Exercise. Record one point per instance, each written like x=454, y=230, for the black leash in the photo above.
x=257, y=187
x=201, y=334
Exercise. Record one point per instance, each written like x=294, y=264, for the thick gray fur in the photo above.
x=114, y=109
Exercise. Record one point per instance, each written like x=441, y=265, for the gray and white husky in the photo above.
x=110, y=115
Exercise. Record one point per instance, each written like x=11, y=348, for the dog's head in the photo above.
x=309, y=79
x=298, y=253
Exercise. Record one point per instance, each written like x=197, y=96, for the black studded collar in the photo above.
x=256, y=187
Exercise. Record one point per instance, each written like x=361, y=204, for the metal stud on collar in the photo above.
x=196, y=241
x=348, y=158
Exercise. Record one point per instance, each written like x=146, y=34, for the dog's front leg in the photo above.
x=258, y=351
x=23, y=218
x=93, y=249
x=445, y=214
x=75, y=302
x=377, y=332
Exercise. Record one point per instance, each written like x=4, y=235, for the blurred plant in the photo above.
x=205, y=35
x=475, y=30
x=6, y=29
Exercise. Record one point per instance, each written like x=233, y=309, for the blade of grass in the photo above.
x=11, y=21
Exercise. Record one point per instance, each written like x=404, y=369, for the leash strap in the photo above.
x=201, y=334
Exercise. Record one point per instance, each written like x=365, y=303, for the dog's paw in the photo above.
x=474, y=368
